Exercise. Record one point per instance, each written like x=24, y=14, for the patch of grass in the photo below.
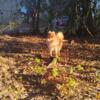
x=38, y=70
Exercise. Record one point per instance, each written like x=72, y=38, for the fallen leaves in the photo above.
x=23, y=60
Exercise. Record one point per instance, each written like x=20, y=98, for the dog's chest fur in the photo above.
x=54, y=43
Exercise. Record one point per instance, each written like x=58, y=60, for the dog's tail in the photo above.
x=60, y=36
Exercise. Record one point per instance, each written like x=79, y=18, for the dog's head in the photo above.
x=51, y=34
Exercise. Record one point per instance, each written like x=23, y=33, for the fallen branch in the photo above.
x=3, y=29
x=87, y=29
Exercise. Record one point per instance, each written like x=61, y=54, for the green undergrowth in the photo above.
x=62, y=77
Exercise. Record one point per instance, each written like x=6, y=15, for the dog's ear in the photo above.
x=53, y=32
x=49, y=31
x=49, y=34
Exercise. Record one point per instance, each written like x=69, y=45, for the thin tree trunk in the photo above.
x=33, y=22
x=38, y=15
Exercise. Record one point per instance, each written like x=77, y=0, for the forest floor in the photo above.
x=25, y=72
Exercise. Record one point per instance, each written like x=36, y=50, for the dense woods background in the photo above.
x=76, y=16
x=83, y=15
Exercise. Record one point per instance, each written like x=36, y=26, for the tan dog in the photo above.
x=55, y=42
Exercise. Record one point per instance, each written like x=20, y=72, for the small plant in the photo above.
x=98, y=75
x=71, y=82
x=55, y=72
x=37, y=60
x=38, y=70
x=54, y=62
x=71, y=70
x=79, y=67
x=66, y=88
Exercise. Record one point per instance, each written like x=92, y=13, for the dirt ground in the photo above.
x=17, y=54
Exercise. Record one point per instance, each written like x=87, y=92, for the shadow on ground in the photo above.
x=34, y=88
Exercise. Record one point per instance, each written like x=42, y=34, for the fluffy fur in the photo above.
x=55, y=42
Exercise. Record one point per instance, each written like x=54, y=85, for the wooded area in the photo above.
x=83, y=14
x=38, y=28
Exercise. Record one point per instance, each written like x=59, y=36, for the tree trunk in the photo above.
x=33, y=22
x=87, y=14
x=38, y=16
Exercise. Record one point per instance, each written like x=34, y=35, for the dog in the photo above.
x=55, y=42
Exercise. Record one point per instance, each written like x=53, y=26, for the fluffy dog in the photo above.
x=55, y=42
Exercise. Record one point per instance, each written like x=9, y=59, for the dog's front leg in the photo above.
x=51, y=52
x=56, y=52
